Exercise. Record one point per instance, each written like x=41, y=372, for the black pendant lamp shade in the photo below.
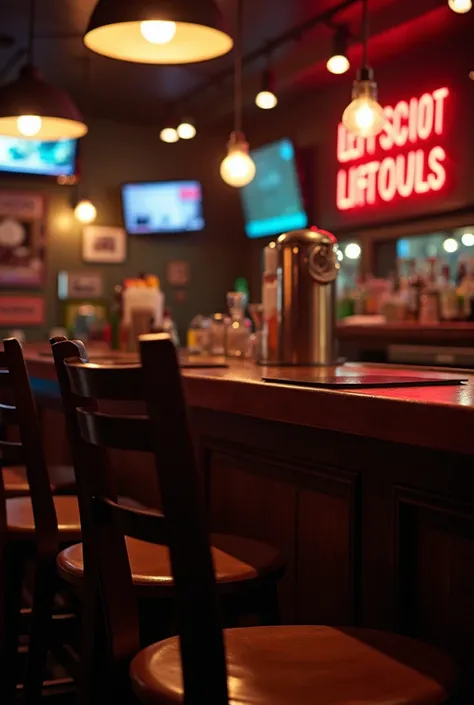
x=30, y=95
x=176, y=31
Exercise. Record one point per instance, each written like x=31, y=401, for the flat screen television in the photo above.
x=273, y=201
x=22, y=156
x=162, y=207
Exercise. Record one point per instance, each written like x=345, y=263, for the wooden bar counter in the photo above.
x=370, y=494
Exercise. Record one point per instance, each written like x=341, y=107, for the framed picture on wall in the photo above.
x=104, y=244
x=22, y=239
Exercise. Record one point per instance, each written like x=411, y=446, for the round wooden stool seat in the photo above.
x=15, y=480
x=238, y=562
x=307, y=666
x=21, y=523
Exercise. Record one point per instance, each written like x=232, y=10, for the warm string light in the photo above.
x=460, y=6
x=169, y=135
x=85, y=211
x=186, y=129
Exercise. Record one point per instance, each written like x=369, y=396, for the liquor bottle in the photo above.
x=415, y=287
x=429, y=296
x=448, y=299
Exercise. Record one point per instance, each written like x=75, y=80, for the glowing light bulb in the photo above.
x=29, y=125
x=238, y=168
x=338, y=64
x=266, y=100
x=186, y=130
x=460, y=6
x=450, y=245
x=169, y=134
x=339, y=255
x=85, y=211
x=352, y=251
x=468, y=239
x=364, y=117
x=158, y=31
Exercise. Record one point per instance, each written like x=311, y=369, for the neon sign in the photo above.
x=400, y=173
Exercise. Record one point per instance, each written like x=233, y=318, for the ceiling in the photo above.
x=106, y=88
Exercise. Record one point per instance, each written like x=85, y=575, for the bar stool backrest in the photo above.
x=157, y=425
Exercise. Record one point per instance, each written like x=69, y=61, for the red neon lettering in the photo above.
x=439, y=97
x=425, y=116
x=418, y=171
x=405, y=174
x=386, y=137
x=437, y=178
x=387, y=181
x=421, y=186
x=400, y=113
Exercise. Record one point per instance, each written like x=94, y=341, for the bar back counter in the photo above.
x=369, y=494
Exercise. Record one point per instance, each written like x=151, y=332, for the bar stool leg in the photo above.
x=41, y=620
x=269, y=609
x=12, y=565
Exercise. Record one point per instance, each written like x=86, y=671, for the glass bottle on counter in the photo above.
x=217, y=334
x=239, y=327
x=448, y=299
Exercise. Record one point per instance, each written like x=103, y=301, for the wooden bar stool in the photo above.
x=247, y=571
x=32, y=528
x=294, y=665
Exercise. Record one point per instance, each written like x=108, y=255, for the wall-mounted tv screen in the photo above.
x=162, y=207
x=22, y=156
x=273, y=202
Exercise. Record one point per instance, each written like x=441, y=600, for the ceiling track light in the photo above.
x=460, y=6
x=238, y=168
x=158, y=31
x=266, y=98
x=34, y=109
x=364, y=116
x=338, y=63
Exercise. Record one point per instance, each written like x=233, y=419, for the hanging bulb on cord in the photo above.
x=364, y=116
x=238, y=168
x=460, y=6
x=338, y=63
x=266, y=99
x=85, y=211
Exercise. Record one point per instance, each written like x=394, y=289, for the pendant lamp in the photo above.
x=238, y=168
x=158, y=31
x=34, y=109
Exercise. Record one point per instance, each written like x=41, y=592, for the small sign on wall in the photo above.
x=21, y=310
x=177, y=272
x=80, y=285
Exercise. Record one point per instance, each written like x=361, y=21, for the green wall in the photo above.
x=115, y=153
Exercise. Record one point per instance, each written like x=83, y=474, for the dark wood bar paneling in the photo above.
x=370, y=495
